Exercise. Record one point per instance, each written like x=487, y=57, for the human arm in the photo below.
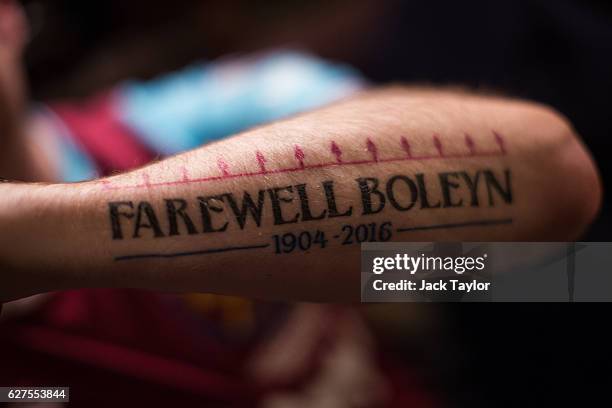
x=228, y=217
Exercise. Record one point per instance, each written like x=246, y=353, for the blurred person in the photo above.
x=308, y=356
x=216, y=345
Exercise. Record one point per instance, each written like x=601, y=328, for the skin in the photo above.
x=22, y=155
x=60, y=236
x=55, y=236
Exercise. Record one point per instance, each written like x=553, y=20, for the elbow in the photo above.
x=571, y=188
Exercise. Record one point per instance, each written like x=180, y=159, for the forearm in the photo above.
x=278, y=212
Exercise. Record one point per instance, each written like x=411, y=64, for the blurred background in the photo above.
x=554, y=51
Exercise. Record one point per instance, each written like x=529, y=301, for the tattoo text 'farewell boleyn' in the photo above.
x=292, y=204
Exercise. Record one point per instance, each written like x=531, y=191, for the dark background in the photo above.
x=557, y=52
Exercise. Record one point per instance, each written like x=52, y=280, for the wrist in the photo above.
x=35, y=239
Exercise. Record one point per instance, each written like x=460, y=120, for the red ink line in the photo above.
x=470, y=144
x=372, y=149
x=299, y=156
x=223, y=167
x=406, y=147
x=500, y=141
x=438, y=144
x=302, y=166
x=311, y=167
x=261, y=161
x=336, y=151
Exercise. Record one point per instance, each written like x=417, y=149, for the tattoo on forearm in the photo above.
x=276, y=205
x=403, y=146
x=293, y=204
x=299, y=203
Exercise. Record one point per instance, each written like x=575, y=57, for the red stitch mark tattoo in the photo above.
x=372, y=149
x=438, y=144
x=146, y=179
x=223, y=167
x=261, y=161
x=469, y=142
x=185, y=173
x=500, y=141
x=299, y=156
x=406, y=147
x=337, y=153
